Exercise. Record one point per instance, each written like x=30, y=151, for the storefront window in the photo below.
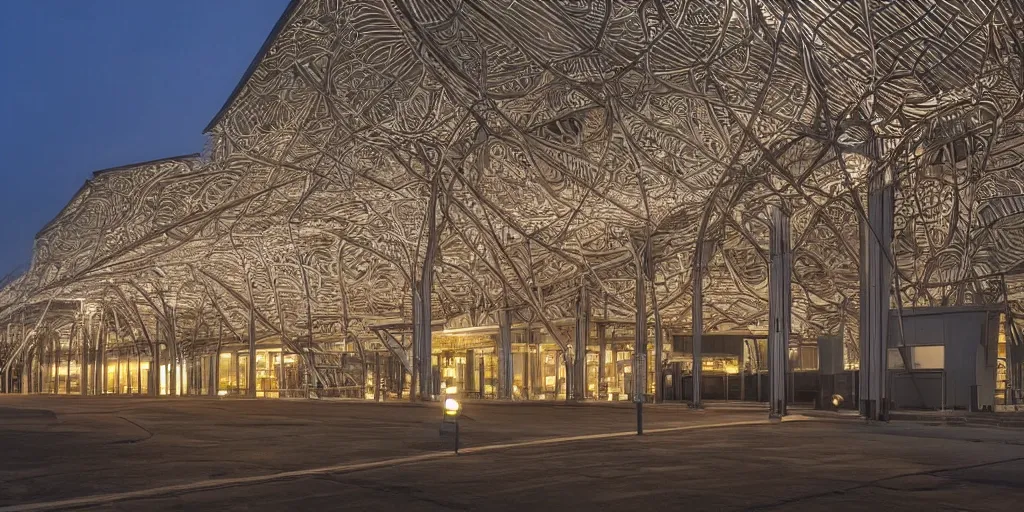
x=226, y=374
x=243, y=374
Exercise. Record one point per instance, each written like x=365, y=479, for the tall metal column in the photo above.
x=659, y=374
x=26, y=370
x=422, y=337
x=504, y=355
x=640, y=342
x=698, y=322
x=376, y=377
x=414, y=353
x=530, y=368
x=5, y=371
x=582, y=333
x=422, y=315
x=472, y=383
x=602, y=347
x=83, y=365
x=780, y=305
x=743, y=371
x=250, y=379
x=875, y=275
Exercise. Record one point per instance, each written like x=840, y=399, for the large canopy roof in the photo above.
x=565, y=146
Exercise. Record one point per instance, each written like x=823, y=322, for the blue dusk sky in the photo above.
x=91, y=84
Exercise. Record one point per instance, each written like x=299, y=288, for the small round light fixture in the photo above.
x=837, y=400
x=451, y=407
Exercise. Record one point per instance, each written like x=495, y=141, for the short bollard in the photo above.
x=450, y=420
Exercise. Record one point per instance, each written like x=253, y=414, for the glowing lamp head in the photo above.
x=837, y=400
x=451, y=407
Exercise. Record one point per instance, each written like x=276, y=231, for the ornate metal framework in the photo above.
x=388, y=164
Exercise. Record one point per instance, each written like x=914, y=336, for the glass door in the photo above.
x=243, y=374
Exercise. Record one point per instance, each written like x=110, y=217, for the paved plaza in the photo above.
x=189, y=454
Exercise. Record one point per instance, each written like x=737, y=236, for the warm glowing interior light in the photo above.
x=451, y=390
x=451, y=406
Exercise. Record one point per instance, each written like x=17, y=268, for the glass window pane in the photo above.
x=895, y=360
x=932, y=357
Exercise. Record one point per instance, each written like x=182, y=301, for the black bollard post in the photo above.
x=640, y=418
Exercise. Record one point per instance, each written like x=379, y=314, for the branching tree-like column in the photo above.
x=582, y=334
x=83, y=342
x=780, y=305
x=504, y=354
x=698, y=321
x=640, y=343
x=26, y=361
x=154, y=364
x=422, y=315
x=602, y=347
x=251, y=367
x=876, y=278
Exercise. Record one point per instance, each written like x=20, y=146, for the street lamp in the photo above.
x=452, y=407
x=450, y=419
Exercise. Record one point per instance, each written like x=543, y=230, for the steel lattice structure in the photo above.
x=406, y=162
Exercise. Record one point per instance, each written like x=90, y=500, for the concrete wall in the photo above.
x=969, y=335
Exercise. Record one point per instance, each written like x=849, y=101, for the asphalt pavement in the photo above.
x=207, y=454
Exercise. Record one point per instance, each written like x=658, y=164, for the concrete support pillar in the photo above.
x=875, y=284
x=780, y=305
x=504, y=350
x=581, y=335
x=640, y=343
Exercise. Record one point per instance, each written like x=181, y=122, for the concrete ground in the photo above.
x=61, y=448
